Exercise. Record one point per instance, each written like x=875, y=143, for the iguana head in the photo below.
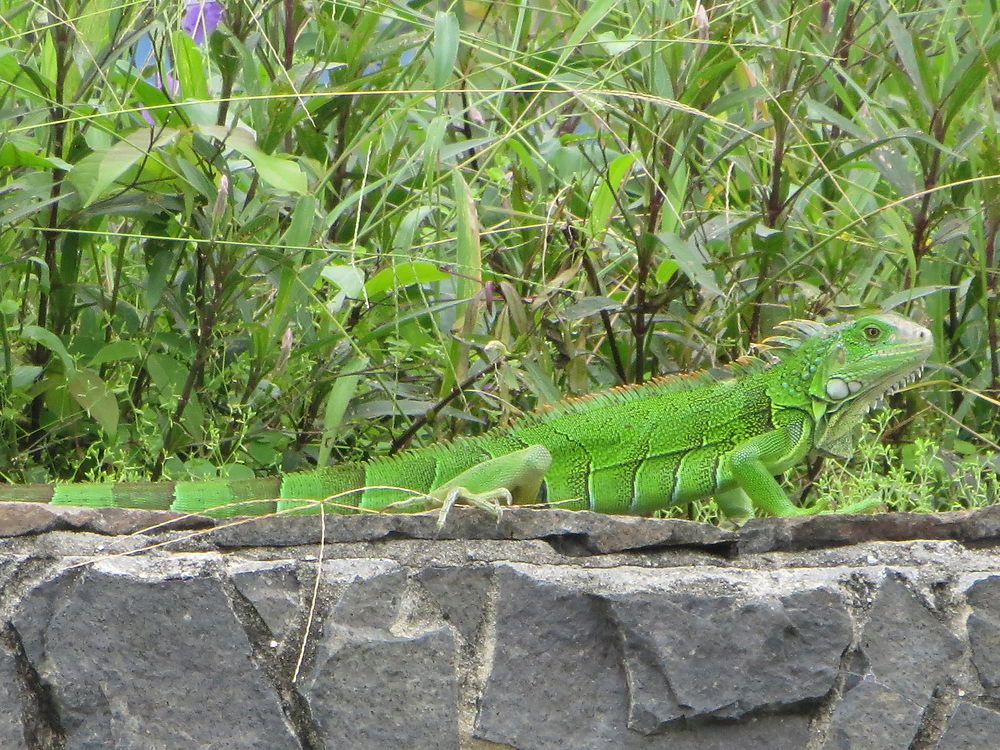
x=840, y=373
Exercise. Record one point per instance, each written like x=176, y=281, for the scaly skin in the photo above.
x=630, y=450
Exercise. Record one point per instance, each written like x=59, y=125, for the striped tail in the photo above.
x=225, y=498
x=219, y=498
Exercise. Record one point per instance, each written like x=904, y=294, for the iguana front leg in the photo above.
x=753, y=464
x=750, y=463
x=513, y=478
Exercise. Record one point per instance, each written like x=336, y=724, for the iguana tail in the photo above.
x=220, y=498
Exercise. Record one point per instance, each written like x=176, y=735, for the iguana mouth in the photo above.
x=895, y=388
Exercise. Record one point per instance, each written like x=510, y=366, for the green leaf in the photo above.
x=968, y=74
x=666, y=270
x=349, y=279
x=279, y=172
x=591, y=17
x=445, y=47
x=402, y=275
x=468, y=280
x=528, y=164
x=908, y=295
x=51, y=342
x=12, y=155
x=300, y=229
x=588, y=306
x=402, y=242
x=115, y=352
x=469, y=253
x=433, y=140
x=200, y=468
x=236, y=471
x=157, y=277
x=540, y=383
x=908, y=56
x=350, y=282
x=293, y=283
x=96, y=172
x=887, y=161
x=766, y=240
x=193, y=419
x=691, y=261
x=360, y=43
x=341, y=393
x=189, y=66
x=23, y=376
x=167, y=374
x=95, y=25
x=603, y=202
x=93, y=394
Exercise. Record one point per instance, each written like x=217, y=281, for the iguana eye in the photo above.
x=873, y=332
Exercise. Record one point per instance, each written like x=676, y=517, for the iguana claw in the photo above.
x=488, y=501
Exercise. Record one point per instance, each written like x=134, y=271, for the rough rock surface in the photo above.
x=546, y=630
x=95, y=634
x=11, y=721
x=871, y=715
x=984, y=632
x=971, y=728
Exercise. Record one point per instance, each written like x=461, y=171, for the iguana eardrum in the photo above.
x=632, y=450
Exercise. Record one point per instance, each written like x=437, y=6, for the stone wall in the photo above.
x=549, y=630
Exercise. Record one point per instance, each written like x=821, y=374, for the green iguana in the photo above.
x=632, y=450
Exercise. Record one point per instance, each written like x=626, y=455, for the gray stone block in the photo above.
x=690, y=655
x=275, y=593
x=768, y=732
x=11, y=705
x=370, y=687
x=971, y=728
x=373, y=690
x=871, y=716
x=984, y=632
x=137, y=661
x=904, y=646
x=556, y=680
x=591, y=633
x=21, y=519
x=625, y=669
x=979, y=525
x=369, y=592
x=579, y=533
x=460, y=593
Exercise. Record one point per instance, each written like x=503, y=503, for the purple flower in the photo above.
x=200, y=19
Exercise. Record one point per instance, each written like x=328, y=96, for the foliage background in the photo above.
x=327, y=230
